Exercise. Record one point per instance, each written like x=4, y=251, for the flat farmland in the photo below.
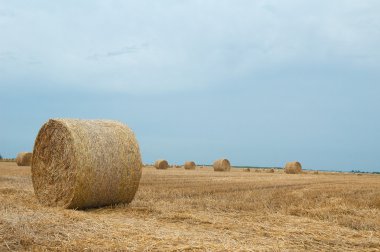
x=202, y=210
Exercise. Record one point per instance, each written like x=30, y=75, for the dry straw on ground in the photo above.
x=293, y=167
x=85, y=163
x=222, y=165
x=202, y=210
x=24, y=158
x=161, y=164
x=190, y=165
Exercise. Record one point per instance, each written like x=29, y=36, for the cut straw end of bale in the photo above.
x=293, y=168
x=24, y=159
x=85, y=163
x=222, y=165
x=189, y=165
x=161, y=164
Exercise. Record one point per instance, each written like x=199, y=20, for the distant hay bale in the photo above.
x=161, y=164
x=257, y=170
x=316, y=172
x=24, y=158
x=247, y=170
x=222, y=165
x=85, y=163
x=271, y=170
x=293, y=167
x=189, y=165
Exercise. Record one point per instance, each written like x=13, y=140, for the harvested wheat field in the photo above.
x=175, y=210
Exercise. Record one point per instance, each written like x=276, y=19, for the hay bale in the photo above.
x=85, y=163
x=271, y=170
x=222, y=165
x=161, y=164
x=189, y=165
x=247, y=170
x=24, y=158
x=293, y=167
x=316, y=172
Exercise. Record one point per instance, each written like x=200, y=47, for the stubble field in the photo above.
x=202, y=210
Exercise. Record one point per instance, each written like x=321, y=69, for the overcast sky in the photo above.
x=258, y=82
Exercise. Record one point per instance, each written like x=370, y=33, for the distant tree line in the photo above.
x=358, y=171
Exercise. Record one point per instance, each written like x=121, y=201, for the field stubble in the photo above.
x=199, y=210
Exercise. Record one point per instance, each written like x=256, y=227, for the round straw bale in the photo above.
x=85, y=163
x=271, y=170
x=161, y=164
x=222, y=165
x=24, y=158
x=189, y=165
x=247, y=170
x=293, y=167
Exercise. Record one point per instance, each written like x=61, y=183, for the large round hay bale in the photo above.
x=293, y=167
x=24, y=158
x=222, y=165
x=161, y=164
x=85, y=163
x=189, y=165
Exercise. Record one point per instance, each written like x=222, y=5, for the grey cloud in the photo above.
x=33, y=61
x=192, y=44
x=7, y=13
x=13, y=57
x=119, y=52
x=124, y=50
x=6, y=56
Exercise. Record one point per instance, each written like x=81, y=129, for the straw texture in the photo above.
x=190, y=165
x=85, y=163
x=161, y=164
x=222, y=165
x=24, y=159
x=293, y=167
